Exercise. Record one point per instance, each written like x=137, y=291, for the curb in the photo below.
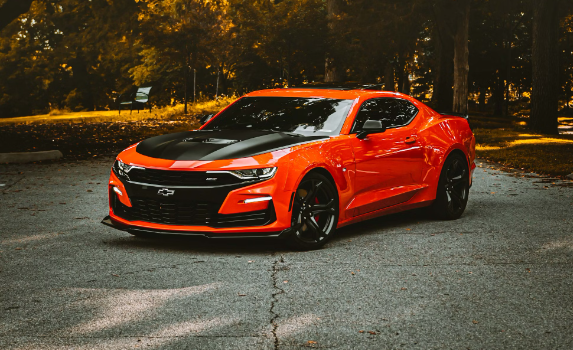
x=27, y=157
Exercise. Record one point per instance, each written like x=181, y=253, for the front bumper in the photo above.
x=215, y=211
x=109, y=221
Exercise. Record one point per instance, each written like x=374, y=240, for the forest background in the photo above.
x=510, y=57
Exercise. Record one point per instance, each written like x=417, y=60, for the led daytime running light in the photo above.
x=261, y=173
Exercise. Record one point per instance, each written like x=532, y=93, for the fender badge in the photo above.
x=166, y=192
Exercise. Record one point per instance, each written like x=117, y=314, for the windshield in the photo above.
x=305, y=116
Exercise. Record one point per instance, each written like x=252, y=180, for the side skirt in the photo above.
x=386, y=211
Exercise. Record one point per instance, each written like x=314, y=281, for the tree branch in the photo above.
x=11, y=9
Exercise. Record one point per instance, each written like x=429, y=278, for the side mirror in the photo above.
x=206, y=118
x=370, y=127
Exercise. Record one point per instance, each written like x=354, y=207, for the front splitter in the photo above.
x=108, y=221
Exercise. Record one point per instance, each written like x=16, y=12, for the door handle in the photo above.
x=411, y=139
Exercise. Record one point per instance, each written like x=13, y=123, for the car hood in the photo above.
x=218, y=145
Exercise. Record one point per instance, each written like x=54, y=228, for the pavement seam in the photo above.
x=274, y=300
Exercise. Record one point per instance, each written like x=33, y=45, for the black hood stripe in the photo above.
x=218, y=145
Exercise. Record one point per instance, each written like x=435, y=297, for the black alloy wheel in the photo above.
x=314, y=212
x=453, y=189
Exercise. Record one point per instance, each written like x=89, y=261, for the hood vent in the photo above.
x=211, y=140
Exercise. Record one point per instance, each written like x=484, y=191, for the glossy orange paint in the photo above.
x=382, y=174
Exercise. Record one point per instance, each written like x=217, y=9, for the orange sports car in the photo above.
x=295, y=163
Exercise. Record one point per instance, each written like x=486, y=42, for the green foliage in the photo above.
x=80, y=55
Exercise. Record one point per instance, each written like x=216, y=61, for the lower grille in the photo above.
x=188, y=214
x=171, y=213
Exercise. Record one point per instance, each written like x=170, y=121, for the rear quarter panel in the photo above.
x=442, y=135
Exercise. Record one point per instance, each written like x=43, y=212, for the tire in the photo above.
x=314, y=212
x=453, y=189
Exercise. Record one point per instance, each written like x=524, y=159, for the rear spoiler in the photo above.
x=452, y=114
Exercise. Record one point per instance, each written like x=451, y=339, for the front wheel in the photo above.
x=453, y=189
x=314, y=212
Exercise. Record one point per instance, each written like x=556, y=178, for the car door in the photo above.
x=388, y=164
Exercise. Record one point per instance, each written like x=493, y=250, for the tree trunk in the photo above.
x=186, y=80
x=405, y=86
x=481, y=98
x=498, y=96
x=389, y=77
x=507, y=75
x=185, y=68
x=544, y=57
x=461, y=58
x=82, y=81
x=331, y=73
x=443, y=94
x=400, y=76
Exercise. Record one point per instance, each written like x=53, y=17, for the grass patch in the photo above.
x=169, y=112
x=99, y=134
x=507, y=141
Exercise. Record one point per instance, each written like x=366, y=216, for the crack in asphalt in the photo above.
x=7, y=187
x=277, y=291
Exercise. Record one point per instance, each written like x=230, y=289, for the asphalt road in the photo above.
x=500, y=277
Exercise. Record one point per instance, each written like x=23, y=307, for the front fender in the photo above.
x=334, y=155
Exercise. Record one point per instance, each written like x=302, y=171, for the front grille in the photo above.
x=171, y=213
x=181, y=178
x=187, y=214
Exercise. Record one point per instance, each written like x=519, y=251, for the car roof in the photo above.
x=341, y=86
x=320, y=92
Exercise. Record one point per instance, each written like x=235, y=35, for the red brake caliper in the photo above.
x=316, y=202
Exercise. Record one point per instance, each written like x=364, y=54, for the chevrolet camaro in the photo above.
x=295, y=163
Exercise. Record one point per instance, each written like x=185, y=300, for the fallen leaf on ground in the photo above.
x=475, y=322
x=242, y=295
x=114, y=275
x=311, y=342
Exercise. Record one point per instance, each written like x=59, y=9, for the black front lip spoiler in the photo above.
x=108, y=221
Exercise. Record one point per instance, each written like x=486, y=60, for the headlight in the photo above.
x=122, y=169
x=247, y=174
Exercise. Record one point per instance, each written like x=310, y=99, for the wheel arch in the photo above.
x=324, y=172
x=456, y=151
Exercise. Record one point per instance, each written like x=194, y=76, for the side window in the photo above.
x=390, y=111
x=409, y=112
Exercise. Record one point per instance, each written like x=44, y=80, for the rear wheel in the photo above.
x=453, y=189
x=314, y=212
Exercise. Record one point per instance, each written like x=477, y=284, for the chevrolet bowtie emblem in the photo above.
x=166, y=192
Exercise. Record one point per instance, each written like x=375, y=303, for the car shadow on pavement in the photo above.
x=231, y=246
x=407, y=219
x=199, y=244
